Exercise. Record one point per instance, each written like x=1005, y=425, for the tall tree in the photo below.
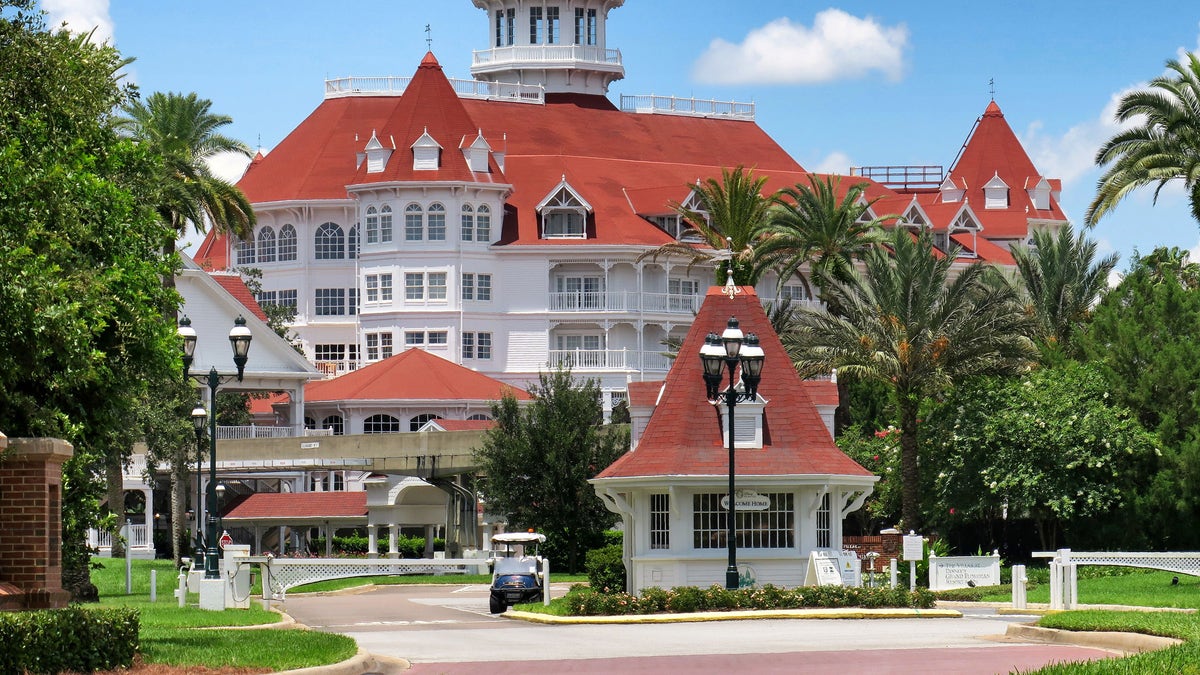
x=811, y=226
x=730, y=214
x=538, y=458
x=1162, y=143
x=905, y=322
x=1062, y=280
x=81, y=260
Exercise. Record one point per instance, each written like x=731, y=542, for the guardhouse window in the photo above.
x=770, y=527
x=660, y=521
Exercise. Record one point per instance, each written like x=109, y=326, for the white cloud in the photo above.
x=838, y=46
x=81, y=16
x=229, y=165
x=1072, y=155
x=835, y=162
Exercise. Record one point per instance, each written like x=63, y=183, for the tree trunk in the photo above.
x=179, y=495
x=910, y=495
x=114, y=476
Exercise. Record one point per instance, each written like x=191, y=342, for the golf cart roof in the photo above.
x=518, y=538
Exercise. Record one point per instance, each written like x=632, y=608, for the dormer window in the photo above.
x=951, y=193
x=995, y=193
x=914, y=219
x=1039, y=194
x=477, y=153
x=564, y=213
x=964, y=223
x=377, y=155
x=427, y=153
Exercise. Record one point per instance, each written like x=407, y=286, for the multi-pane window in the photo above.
x=329, y=352
x=436, y=222
x=437, y=285
x=591, y=26
x=420, y=338
x=793, y=292
x=385, y=224
x=414, y=338
x=476, y=287
x=438, y=338
x=335, y=423
x=770, y=527
x=381, y=424
x=467, y=223
x=289, y=298
x=660, y=520
x=266, y=245
x=579, y=26
x=682, y=293
x=563, y=225
x=579, y=292
x=372, y=221
x=419, y=421
x=352, y=300
x=414, y=286
x=329, y=243
x=536, y=27
x=588, y=343
x=245, y=252
x=352, y=243
x=379, y=288
x=287, y=243
x=379, y=345
x=483, y=224
x=585, y=31
x=824, y=531
x=285, y=298
x=267, y=298
x=330, y=301
x=553, y=30
x=424, y=286
x=505, y=27
x=414, y=223
x=476, y=345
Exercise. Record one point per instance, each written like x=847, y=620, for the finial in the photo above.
x=428, y=38
x=992, y=87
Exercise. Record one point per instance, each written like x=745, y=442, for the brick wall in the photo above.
x=888, y=546
x=31, y=522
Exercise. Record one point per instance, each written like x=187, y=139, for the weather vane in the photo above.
x=992, y=87
x=731, y=288
x=428, y=38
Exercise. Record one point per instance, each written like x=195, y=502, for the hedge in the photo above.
x=586, y=602
x=70, y=639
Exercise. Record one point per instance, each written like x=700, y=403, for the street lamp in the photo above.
x=239, y=339
x=199, y=420
x=719, y=353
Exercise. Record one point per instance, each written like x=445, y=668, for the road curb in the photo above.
x=694, y=617
x=360, y=663
x=1125, y=643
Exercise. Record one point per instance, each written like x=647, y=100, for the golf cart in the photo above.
x=517, y=570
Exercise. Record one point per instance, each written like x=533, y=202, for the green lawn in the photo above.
x=1133, y=587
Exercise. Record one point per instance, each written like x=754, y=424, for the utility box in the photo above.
x=236, y=576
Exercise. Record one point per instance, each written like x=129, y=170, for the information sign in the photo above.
x=914, y=547
x=824, y=569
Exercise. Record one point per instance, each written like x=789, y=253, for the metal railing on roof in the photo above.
x=690, y=107
x=344, y=87
x=903, y=177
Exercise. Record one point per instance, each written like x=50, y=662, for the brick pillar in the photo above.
x=31, y=522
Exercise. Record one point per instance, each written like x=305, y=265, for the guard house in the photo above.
x=794, y=486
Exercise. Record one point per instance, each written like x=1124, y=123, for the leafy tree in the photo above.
x=906, y=323
x=879, y=452
x=1052, y=446
x=81, y=261
x=538, y=458
x=1062, y=280
x=1161, y=144
x=731, y=214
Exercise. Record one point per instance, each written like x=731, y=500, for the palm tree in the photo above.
x=1170, y=262
x=1163, y=144
x=810, y=225
x=731, y=214
x=904, y=322
x=1062, y=281
x=181, y=133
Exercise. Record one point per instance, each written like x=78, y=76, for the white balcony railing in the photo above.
x=237, y=433
x=691, y=107
x=337, y=367
x=487, y=59
x=343, y=87
x=139, y=537
x=625, y=301
x=609, y=359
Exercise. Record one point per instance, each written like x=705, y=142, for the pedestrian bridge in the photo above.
x=425, y=454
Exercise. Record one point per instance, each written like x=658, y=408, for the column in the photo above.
x=393, y=543
x=429, y=535
x=372, y=542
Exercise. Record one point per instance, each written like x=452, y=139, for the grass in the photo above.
x=1135, y=587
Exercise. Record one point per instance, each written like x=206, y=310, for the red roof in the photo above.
x=233, y=283
x=301, y=505
x=685, y=433
x=413, y=374
x=822, y=392
x=644, y=394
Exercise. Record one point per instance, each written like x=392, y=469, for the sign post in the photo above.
x=914, y=550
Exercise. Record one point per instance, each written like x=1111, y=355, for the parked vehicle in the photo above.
x=517, y=569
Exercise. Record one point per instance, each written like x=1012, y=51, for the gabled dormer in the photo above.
x=377, y=155
x=564, y=213
x=952, y=193
x=914, y=218
x=964, y=223
x=1039, y=192
x=476, y=153
x=427, y=153
x=995, y=193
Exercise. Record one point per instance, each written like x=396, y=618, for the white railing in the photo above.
x=608, y=359
x=693, y=107
x=139, y=537
x=237, y=433
x=625, y=301
x=394, y=86
x=338, y=367
x=500, y=56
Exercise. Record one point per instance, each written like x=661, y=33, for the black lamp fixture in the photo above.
x=239, y=340
x=199, y=420
x=719, y=353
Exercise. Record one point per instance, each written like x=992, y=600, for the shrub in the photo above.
x=71, y=639
x=683, y=599
x=606, y=569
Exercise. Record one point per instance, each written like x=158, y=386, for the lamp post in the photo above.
x=199, y=420
x=718, y=354
x=239, y=339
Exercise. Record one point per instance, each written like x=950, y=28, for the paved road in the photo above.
x=447, y=629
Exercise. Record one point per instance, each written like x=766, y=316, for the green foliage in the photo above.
x=1053, y=446
x=879, y=453
x=71, y=639
x=357, y=545
x=685, y=599
x=606, y=568
x=537, y=461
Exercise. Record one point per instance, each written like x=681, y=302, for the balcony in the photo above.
x=337, y=367
x=237, y=433
x=609, y=360
x=343, y=87
x=689, y=107
x=545, y=56
x=625, y=301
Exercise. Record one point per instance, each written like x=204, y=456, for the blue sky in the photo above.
x=854, y=83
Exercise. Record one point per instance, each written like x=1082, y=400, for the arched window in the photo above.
x=352, y=243
x=414, y=223
x=467, y=223
x=479, y=417
x=381, y=424
x=372, y=225
x=287, y=243
x=266, y=245
x=330, y=242
x=483, y=224
x=245, y=252
x=385, y=224
x=334, y=422
x=419, y=421
x=437, y=222
x=309, y=423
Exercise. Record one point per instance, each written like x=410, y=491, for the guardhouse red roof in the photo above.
x=413, y=374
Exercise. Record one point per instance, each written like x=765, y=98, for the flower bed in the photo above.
x=586, y=602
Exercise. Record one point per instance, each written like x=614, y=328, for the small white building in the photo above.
x=794, y=487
